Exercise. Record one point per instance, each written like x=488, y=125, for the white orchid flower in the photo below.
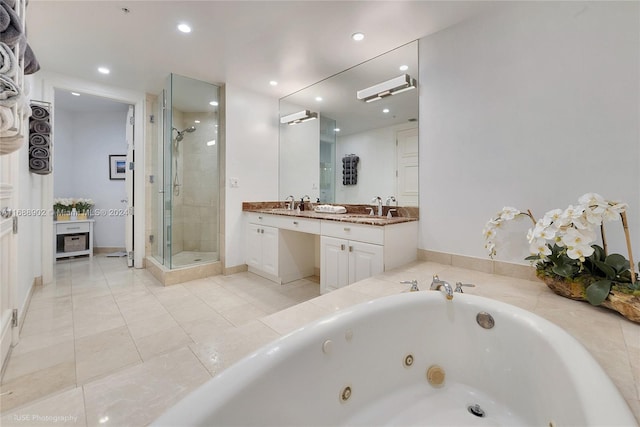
x=551, y=217
x=540, y=247
x=579, y=252
x=508, y=213
x=592, y=199
x=577, y=238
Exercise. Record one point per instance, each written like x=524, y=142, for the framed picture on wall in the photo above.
x=117, y=166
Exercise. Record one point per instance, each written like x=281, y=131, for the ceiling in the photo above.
x=244, y=43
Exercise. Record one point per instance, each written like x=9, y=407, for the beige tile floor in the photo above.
x=107, y=345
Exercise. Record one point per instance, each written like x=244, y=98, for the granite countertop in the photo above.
x=357, y=214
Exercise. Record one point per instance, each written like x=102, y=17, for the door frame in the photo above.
x=52, y=81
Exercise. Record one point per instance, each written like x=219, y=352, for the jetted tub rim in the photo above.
x=199, y=402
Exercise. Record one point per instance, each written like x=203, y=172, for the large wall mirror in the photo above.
x=345, y=150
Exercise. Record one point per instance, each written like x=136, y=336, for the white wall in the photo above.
x=530, y=106
x=251, y=153
x=83, y=143
x=376, y=169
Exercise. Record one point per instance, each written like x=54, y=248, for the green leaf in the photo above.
x=618, y=262
x=532, y=258
x=598, y=291
x=564, y=270
x=608, y=271
x=598, y=253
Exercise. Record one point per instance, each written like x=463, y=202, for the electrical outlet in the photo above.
x=314, y=186
x=233, y=183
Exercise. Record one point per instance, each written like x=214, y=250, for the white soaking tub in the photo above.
x=413, y=359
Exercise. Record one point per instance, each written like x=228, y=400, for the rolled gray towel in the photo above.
x=39, y=126
x=39, y=152
x=39, y=140
x=39, y=113
x=39, y=165
x=31, y=64
x=10, y=25
x=8, y=62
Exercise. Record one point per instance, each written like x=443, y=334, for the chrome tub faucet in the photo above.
x=442, y=286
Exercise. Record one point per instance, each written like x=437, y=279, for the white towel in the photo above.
x=8, y=63
x=330, y=209
x=6, y=118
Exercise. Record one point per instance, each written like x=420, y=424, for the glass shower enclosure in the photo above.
x=185, y=174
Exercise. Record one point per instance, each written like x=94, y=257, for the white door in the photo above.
x=365, y=260
x=334, y=264
x=407, y=167
x=128, y=240
x=8, y=245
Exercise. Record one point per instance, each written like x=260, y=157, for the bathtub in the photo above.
x=413, y=359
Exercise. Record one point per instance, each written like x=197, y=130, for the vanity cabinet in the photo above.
x=262, y=248
x=284, y=248
x=343, y=262
x=280, y=249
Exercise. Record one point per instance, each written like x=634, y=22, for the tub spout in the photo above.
x=442, y=286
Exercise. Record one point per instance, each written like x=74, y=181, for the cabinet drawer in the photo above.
x=303, y=225
x=262, y=219
x=72, y=227
x=360, y=233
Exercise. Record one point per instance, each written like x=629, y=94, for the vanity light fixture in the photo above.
x=299, y=117
x=390, y=87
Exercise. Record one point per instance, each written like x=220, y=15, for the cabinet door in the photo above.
x=269, y=250
x=334, y=264
x=254, y=246
x=365, y=260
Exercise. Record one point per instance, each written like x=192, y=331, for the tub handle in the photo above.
x=459, y=286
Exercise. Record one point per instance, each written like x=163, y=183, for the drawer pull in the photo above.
x=73, y=228
x=350, y=248
x=342, y=247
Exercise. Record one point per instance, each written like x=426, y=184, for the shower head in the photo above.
x=180, y=135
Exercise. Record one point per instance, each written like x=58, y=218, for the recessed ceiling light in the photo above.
x=318, y=98
x=214, y=103
x=404, y=67
x=212, y=142
x=357, y=36
x=273, y=83
x=184, y=28
x=336, y=130
x=103, y=70
x=75, y=94
x=196, y=121
x=386, y=110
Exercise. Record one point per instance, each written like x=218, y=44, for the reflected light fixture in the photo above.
x=273, y=83
x=390, y=87
x=299, y=117
x=404, y=67
x=75, y=94
x=212, y=142
x=184, y=28
x=103, y=70
x=214, y=103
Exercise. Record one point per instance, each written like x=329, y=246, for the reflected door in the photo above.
x=407, y=167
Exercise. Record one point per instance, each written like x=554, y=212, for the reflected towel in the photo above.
x=39, y=140
x=40, y=166
x=39, y=113
x=39, y=152
x=8, y=63
x=39, y=126
x=10, y=25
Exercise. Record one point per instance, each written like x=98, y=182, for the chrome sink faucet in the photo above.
x=290, y=205
x=378, y=201
x=442, y=286
x=391, y=199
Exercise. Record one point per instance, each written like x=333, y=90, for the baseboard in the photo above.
x=106, y=250
x=235, y=269
x=502, y=268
